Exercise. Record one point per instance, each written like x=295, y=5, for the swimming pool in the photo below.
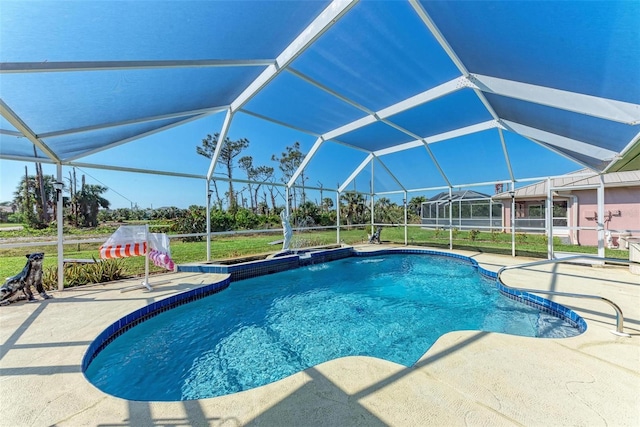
x=266, y=328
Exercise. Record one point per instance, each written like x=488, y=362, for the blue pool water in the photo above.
x=260, y=330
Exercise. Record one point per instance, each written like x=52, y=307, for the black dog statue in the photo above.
x=30, y=275
x=375, y=238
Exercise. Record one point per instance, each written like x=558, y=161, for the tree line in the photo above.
x=253, y=205
x=35, y=205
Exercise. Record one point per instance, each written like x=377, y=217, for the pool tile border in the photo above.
x=288, y=262
x=532, y=300
x=276, y=264
x=136, y=317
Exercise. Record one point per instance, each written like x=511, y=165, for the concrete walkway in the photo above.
x=466, y=378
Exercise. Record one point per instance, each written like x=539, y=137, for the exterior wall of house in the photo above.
x=622, y=213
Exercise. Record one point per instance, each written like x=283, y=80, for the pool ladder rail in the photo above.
x=619, y=317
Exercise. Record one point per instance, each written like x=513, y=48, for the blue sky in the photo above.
x=473, y=158
x=380, y=53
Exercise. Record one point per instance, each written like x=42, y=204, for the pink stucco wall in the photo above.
x=626, y=200
x=623, y=199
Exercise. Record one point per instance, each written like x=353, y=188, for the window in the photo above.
x=536, y=211
x=560, y=209
x=560, y=213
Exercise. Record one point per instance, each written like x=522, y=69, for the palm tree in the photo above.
x=415, y=204
x=28, y=200
x=383, y=210
x=307, y=214
x=355, y=207
x=327, y=204
x=89, y=199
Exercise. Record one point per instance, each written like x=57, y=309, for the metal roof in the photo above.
x=458, y=195
x=381, y=77
x=576, y=181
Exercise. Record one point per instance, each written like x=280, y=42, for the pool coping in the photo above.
x=466, y=377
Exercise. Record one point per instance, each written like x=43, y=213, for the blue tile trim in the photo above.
x=542, y=304
x=127, y=322
x=248, y=269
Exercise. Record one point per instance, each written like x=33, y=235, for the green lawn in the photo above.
x=8, y=225
x=13, y=260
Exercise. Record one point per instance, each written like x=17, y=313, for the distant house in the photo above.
x=468, y=209
x=575, y=205
x=6, y=209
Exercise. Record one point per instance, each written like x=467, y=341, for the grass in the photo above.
x=8, y=225
x=13, y=260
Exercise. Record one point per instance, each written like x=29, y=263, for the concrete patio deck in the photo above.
x=466, y=378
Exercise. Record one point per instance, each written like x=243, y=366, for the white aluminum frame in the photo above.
x=608, y=109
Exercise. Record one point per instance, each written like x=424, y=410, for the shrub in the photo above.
x=220, y=220
x=50, y=278
x=473, y=235
x=327, y=218
x=83, y=274
x=521, y=237
x=192, y=221
x=246, y=219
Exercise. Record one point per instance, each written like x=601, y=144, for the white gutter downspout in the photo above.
x=574, y=219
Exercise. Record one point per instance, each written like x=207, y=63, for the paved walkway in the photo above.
x=466, y=378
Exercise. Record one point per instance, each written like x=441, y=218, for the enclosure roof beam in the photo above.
x=134, y=170
x=444, y=44
x=506, y=153
x=322, y=23
x=608, y=109
x=202, y=112
x=10, y=133
x=221, y=137
x=305, y=161
x=560, y=153
x=133, y=138
x=560, y=141
x=390, y=173
x=68, y=66
x=298, y=129
x=278, y=122
x=328, y=90
x=467, y=130
x=422, y=98
x=433, y=157
x=22, y=127
x=630, y=146
x=355, y=173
